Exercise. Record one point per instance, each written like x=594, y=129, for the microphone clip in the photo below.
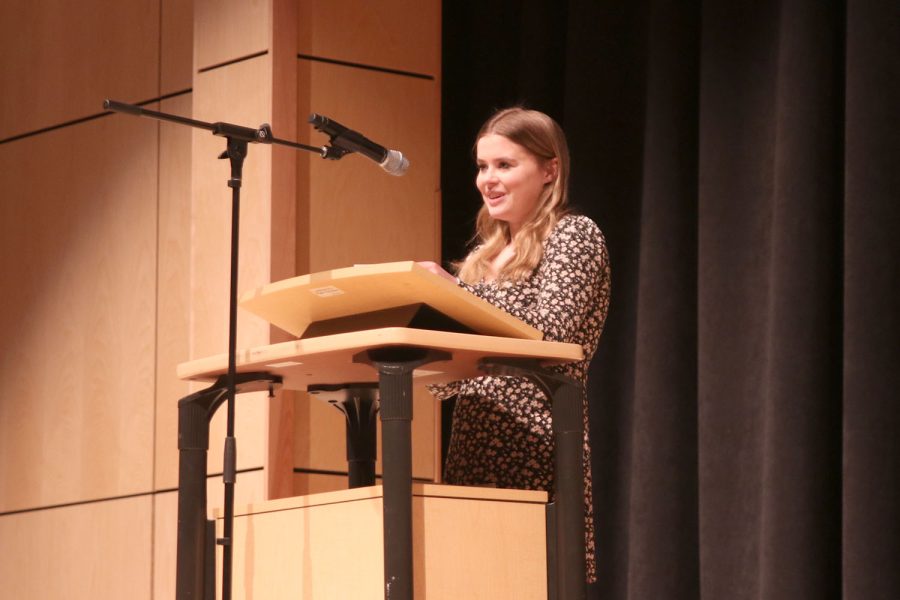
x=335, y=151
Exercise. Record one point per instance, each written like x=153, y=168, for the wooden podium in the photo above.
x=472, y=543
x=384, y=324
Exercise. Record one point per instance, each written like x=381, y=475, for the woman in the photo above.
x=545, y=266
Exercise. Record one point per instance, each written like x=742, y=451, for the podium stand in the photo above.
x=364, y=325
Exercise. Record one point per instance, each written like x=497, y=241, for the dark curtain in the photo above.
x=743, y=160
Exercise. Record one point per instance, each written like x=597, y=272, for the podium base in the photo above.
x=467, y=543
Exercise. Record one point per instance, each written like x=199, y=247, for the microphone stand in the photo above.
x=236, y=150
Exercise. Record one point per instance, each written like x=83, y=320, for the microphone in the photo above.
x=346, y=140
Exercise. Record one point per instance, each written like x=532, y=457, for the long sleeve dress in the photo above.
x=502, y=429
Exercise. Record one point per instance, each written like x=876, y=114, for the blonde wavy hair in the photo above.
x=541, y=136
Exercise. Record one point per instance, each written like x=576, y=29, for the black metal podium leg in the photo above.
x=568, y=505
x=360, y=410
x=568, y=430
x=396, y=427
x=359, y=404
x=193, y=445
x=395, y=368
x=195, y=551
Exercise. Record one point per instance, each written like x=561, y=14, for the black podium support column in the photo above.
x=395, y=367
x=567, y=581
x=195, y=550
x=568, y=431
x=358, y=402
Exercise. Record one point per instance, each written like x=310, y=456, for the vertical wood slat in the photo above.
x=239, y=93
x=176, y=46
x=350, y=211
x=174, y=280
x=280, y=419
x=78, y=313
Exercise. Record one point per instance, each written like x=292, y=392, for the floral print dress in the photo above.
x=502, y=431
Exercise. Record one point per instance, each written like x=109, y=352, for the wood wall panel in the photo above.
x=176, y=46
x=241, y=94
x=97, y=550
x=350, y=211
x=86, y=51
x=395, y=34
x=174, y=281
x=229, y=29
x=78, y=237
x=284, y=120
x=357, y=213
x=315, y=483
x=174, y=236
x=236, y=94
x=119, y=230
x=279, y=427
x=320, y=442
x=425, y=449
x=165, y=544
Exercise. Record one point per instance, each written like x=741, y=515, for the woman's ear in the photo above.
x=551, y=170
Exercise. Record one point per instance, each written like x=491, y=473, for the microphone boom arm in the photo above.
x=261, y=135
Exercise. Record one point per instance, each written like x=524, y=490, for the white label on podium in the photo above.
x=327, y=291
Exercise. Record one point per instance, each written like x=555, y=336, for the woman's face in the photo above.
x=510, y=179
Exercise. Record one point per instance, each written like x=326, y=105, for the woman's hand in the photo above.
x=436, y=269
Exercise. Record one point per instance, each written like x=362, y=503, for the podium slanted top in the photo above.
x=297, y=303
